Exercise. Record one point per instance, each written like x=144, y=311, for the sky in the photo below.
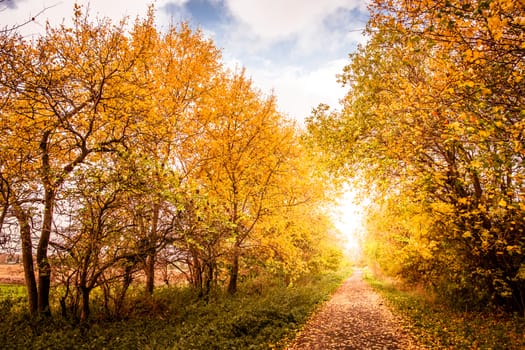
x=292, y=48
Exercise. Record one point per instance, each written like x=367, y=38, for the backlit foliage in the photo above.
x=434, y=119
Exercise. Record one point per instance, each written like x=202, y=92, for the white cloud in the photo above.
x=293, y=30
x=297, y=90
x=295, y=47
x=11, y=4
x=278, y=19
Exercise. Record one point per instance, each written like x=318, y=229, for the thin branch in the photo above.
x=31, y=19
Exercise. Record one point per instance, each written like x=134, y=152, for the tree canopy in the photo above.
x=434, y=123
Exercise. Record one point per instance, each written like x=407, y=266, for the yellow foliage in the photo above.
x=154, y=119
x=435, y=110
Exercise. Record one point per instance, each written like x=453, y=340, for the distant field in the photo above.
x=11, y=274
x=11, y=281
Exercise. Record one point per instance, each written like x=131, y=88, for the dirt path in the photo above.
x=354, y=318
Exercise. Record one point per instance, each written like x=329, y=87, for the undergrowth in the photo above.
x=255, y=318
x=11, y=291
x=436, y=325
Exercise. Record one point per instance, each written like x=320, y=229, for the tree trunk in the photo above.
x=85, y=311
x=27, y=259
x=119, y=301
x=150, y=273
x=44, y=268
x=234, y=272
x=208, y=277
x=196, y=272
x=152, y=251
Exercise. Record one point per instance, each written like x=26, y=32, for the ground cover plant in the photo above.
x=436, y=324
x=11, y=291
x=177, y=318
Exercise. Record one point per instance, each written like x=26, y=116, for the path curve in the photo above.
x=354, y=318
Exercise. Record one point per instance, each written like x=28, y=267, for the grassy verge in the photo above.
x=437, y=326
x=176, y=319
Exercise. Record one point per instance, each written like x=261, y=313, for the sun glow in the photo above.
x=349, y=220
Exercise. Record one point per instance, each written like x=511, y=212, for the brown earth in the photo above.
x=354, y=318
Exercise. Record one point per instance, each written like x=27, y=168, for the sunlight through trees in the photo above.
x=434, y=122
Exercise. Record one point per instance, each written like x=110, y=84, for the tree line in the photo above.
x=433, y=124
x=124, y=150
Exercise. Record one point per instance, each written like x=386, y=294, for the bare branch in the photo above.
x=29, y=20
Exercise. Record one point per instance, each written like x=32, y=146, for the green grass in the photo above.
x=177, y=319
x=435, y=325
x=11, y=291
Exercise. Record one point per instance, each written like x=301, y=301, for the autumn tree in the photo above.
x=203, y=231
x=300, y=240
x=69, y=94
x=179, y=69
x=241, y=155
x=435, y=114
x=94, y=235
x=297, y=236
